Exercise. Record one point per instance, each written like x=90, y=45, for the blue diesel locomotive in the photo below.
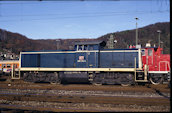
x=88, y=62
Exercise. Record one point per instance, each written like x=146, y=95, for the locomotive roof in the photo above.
x=150, y=47
x=48, y=50
x=90, y=43
x=123, y=49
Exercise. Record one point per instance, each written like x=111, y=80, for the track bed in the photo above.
x=19, y=95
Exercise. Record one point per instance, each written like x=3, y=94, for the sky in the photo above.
x=62, y=19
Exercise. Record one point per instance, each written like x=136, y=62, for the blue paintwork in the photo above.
x=82, y=59
x=49, y=60
x=71, y=60
x=57, y=60
x=118, y=59
x=29, y=60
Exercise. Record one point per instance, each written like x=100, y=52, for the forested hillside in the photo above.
x=16, y=42
x=145, y=34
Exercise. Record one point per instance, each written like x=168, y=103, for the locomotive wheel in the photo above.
x=126, y=80
x=156, y=80
x=53, y=78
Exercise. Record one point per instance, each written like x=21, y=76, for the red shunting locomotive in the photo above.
x=156, y=64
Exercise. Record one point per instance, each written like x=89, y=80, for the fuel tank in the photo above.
x=74, y=77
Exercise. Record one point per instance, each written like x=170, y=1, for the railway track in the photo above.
x=87, y=98
x=33, y=92
x=86, y=107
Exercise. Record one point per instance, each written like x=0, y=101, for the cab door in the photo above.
x=92, y=59
x=150, y=59
x=155, y=60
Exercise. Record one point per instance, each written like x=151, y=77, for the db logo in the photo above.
x=81, y=57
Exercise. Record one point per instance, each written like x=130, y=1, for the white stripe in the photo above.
x=120, y=51
x=158, y=71
x=78, y=51
x=80, y=69
x=84, y=51
x=47, y=52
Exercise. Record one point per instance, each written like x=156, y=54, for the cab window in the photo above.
x=143, y=52
x=91, y=47
x=149, y=52
x=80, y=47
x=85, y=47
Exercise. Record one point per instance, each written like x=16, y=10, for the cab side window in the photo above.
x=91, y=47
x=149, y=52
x=85, y=47
x=143, y=52
x=80, y=48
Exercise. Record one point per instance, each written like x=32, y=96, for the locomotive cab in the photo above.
x=84, y=46
x=87, y=54
x=158, y=64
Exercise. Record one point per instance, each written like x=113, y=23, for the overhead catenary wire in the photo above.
x=51, y=16
x=80, y=15
x=41, y=1
x=65, y=1
x=89, y=13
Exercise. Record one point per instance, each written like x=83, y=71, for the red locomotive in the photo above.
x=156, y=63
